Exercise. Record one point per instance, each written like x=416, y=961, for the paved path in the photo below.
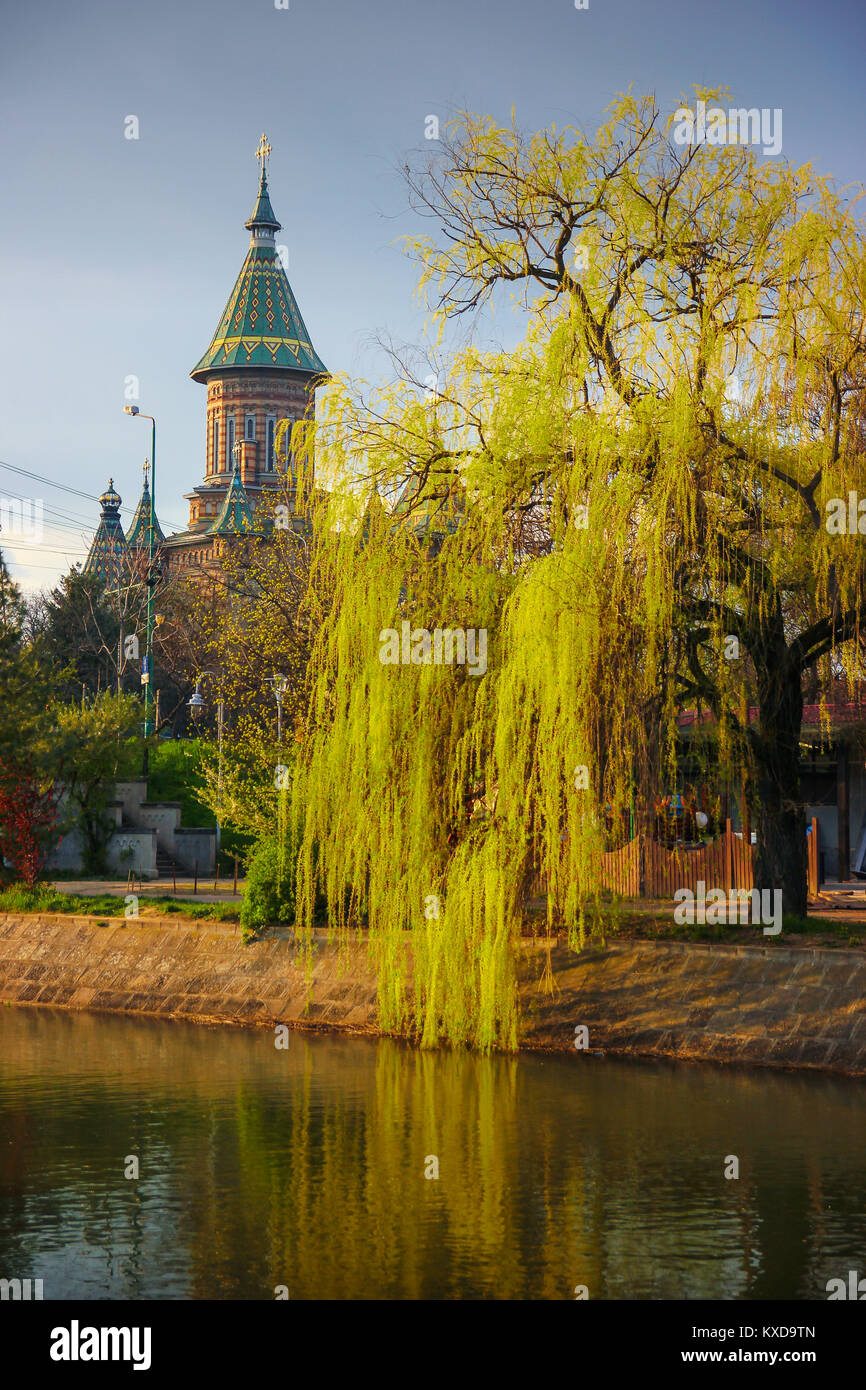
x=155, y=888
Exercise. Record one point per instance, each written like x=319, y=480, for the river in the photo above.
x=310, y=1171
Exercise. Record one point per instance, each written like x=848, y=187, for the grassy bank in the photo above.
x=46, y=899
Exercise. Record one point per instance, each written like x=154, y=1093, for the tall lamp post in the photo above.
x=197, y=704
x=147, y=672
x=279, y=683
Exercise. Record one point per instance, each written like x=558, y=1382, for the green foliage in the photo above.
x=174, y=773
x=77, y=633
x=643, y=476
x=17, y=898
x=94, y=744
x=269, y=895
x=26, y=685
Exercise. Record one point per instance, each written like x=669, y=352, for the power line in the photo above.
x=88, y=496
x=55, y=569
x=39, y=549
x=71, y=521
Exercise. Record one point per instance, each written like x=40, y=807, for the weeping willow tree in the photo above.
x=630, y=506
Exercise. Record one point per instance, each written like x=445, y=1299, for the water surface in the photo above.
x=305, y=1168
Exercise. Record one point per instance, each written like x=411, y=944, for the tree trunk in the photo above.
x=776, y=799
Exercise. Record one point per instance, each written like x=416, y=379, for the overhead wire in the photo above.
x=76, y=492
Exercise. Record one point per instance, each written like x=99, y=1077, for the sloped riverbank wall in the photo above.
x=766, y=1005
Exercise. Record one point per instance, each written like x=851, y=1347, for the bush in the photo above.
x=270, y=888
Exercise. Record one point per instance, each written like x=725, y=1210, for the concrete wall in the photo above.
x=131, y=794
x=132, y=849
x=148, y=824
x=68, y=855
x=126, y=849
x=772, y=1006
x=191, y=845
x=164, y=818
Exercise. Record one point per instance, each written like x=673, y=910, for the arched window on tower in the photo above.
x=230, y=440
x=271, y=425
x=215, y=446
x=249, y=427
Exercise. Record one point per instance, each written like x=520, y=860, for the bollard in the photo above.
x=235, y=888
x=195, y=878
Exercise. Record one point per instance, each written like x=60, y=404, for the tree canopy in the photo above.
x=645, y=477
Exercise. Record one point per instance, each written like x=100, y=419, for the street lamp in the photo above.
x=279, y=684
x=197, y=704
x=147, y=669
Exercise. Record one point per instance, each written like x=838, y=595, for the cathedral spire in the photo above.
x=236, y=517
x=263, y=222
x=261, y=324
x=139, y=534
x=108, y=547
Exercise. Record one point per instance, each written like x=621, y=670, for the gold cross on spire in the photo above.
x=145, y=470
x=263, y=151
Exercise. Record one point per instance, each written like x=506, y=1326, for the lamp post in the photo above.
x=197, y=703
x=147, y=672
x=279, y=684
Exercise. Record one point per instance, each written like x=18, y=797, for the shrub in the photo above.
x=270, y=888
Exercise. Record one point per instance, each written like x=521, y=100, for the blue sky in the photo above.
x=117, y=256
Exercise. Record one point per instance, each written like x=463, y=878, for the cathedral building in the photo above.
x=259, y=368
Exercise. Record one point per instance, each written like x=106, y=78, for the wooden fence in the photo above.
x=645, y=869
x=813, y=843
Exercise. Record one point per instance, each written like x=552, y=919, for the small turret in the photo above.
x=108, y=547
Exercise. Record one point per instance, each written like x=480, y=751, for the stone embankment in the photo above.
x=767, y=1005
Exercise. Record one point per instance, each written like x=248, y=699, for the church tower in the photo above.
x=107, y=553
x=259, y=368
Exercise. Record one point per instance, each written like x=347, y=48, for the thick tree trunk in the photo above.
x=776, y=801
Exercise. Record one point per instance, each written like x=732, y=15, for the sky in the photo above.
x=117, y=255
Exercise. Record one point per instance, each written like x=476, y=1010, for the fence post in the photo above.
x=814, y=860
x=195, y=878
x=729, y=850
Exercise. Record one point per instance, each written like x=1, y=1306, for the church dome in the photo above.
x=110, y=502
x=261, y=325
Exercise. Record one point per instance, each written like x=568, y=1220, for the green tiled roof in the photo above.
x=263, y=213
x=261, y=325
x=236, y=516
x=139, y=533
x=108, y=547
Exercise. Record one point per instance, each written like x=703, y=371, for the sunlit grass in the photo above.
x=43, y=898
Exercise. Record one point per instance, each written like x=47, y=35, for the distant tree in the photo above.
x=78, y=630
x=95, y=744
x=27, y=794
x=28, y=821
